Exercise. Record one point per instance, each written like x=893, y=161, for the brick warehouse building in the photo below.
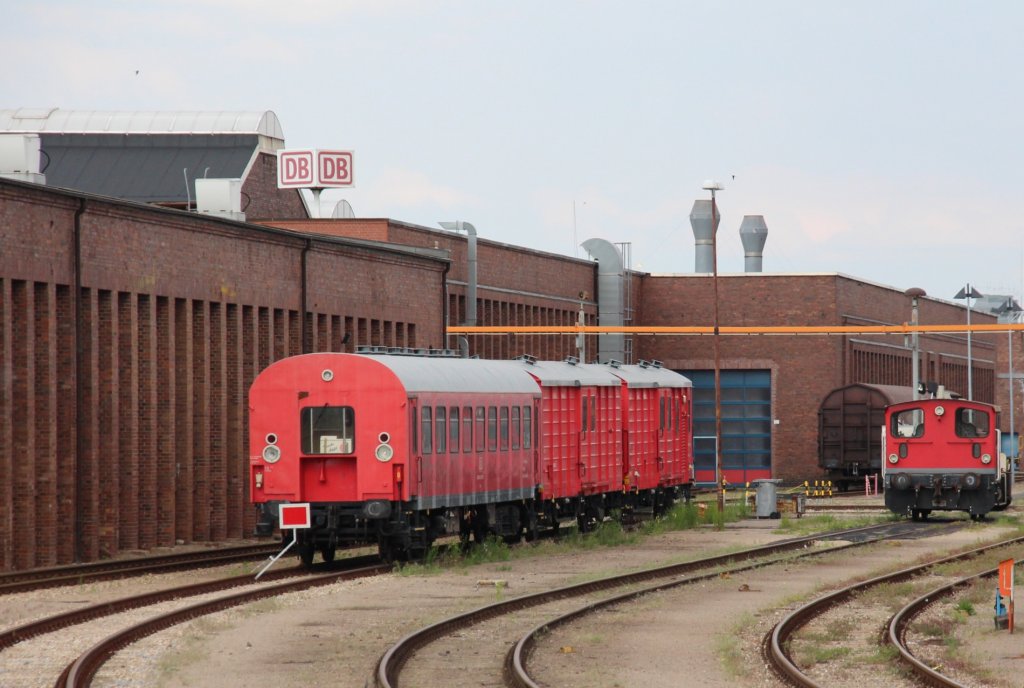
x=122, y=412
x=773, y=385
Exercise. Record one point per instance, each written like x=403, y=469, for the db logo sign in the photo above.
x=305, y=169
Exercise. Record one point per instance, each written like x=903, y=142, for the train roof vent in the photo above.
x=366, y=349
x=613, y=363
x=526, y=358
x=572, y=360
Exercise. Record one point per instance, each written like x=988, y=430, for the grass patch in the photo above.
x=729, y=648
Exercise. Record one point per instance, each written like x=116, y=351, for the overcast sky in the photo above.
x=878, y=139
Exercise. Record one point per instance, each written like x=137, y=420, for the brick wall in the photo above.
x=125, y=427
x=516, y=286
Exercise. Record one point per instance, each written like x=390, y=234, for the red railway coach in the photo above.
x=659, y=435
x=401, y=449
x=943, y=454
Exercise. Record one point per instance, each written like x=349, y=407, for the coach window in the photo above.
x=593, y=413
x=492, y=428
x=527, y=427
x=440, y=422
x=971, y=423
x=661, y=413
x=503, y=426
x=909, y=423
x=583, y=414
x=427, y=427
x=328, y=430
x=453, y=429
x=515, y=427
x=481, y=428
x=467, y=429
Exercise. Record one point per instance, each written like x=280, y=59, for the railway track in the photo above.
x=777, y=643
x=394, y=663
x=899, y=625
x=74, y=574
x=79, y=673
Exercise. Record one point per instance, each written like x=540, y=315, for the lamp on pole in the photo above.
x=713, y=186
x=1011, y=310
x=969, y=293
x=915, y=293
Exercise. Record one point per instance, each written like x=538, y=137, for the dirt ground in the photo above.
x=704, y=635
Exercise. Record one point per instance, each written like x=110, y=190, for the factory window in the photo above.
x=328, y=430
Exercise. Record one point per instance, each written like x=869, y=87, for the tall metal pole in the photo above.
x=914, y=293
x=1013, y=438
x=718, y=372
x=970, y=364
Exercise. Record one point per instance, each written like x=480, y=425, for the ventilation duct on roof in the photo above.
x=19, y=158
x=611, y=276
x=220, y=197
x=703, y=234
x=753, y=233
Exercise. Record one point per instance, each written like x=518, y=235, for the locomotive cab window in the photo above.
x=909, y=423
x=971, y=423
x=328, y=430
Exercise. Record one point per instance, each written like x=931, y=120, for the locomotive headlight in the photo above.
x=986, y=459
x=939, y=410
x=893, y=458
x=384, y=452
x=271, y=453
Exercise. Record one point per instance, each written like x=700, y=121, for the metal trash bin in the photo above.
x=767, y=498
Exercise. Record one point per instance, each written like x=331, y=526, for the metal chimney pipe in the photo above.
x=703, y=233
x=753, y=233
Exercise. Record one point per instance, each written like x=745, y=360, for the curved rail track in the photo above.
x=776, y=643
x=394, y=660
x=73, y=574
x=896, y=632
x=79, y=674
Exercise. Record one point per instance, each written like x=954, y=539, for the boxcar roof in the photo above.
x=861, y=392
x=426, y=374
x=649, y=376
x=562, y=374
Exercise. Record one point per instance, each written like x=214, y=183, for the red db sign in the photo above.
x=314, y=169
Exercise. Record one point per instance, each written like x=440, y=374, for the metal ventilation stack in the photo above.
x=703, y=234
x=753, y=234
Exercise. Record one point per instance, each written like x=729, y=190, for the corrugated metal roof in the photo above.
x=57, y=121
x=147, y=169
x=649, y=376
x=421, y=374
x=561, y=374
